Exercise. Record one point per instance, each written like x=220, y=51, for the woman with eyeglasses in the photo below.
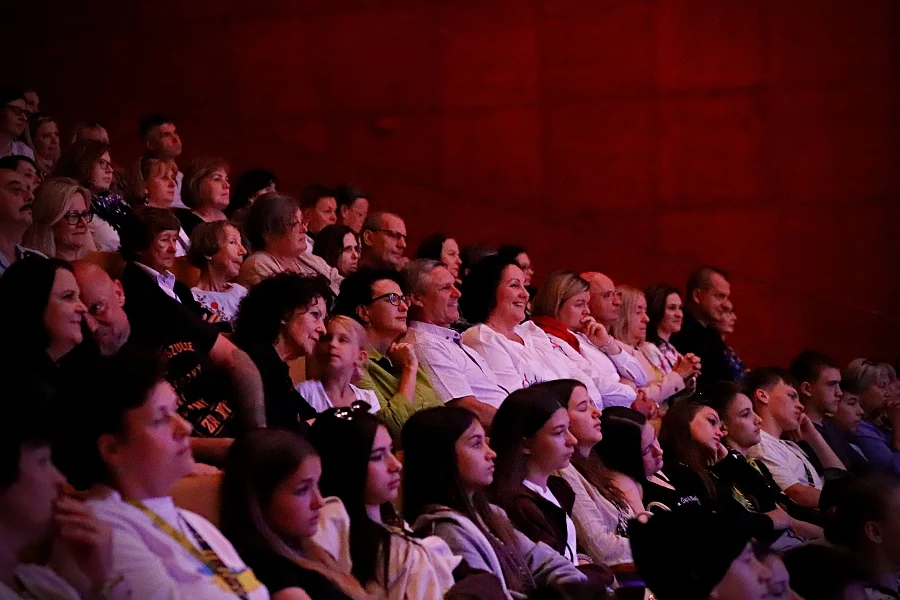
x=89, y=163
x=878, y=435
x=276, y=230
x=359, y=468
x=14, y=117
x=375, y=299
x=61, y=218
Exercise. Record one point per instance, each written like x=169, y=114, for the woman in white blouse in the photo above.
x=630, y=328
x=519, y=353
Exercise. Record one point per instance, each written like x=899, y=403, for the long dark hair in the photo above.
x=256, y=465
x=656, y=296
x=344, y=439
x=680, y=446
x=620, y=448
x=521, y=416
x=329, y=242
x=590, y=467
x=479, y=288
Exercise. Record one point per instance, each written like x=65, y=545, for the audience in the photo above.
x=205, y=193
x=878, y=434
x=339, y=246
x=276, y=229
x=848, y=417
x=320, y=207
x=383, y=242
x=61, y=216
x=725, y=326
x=44, y=132
x=281, y=319
x=163, y=143
x=352, y=207
x=459, y=375
x=518, y=255
x=448, y=466
x=23, y=166
x=274, y=513
x=375, y=299
x=706, y=299
x=825, y=572
x=249, y=186
x=14, y=117
x=441, y=248
x=16, y=216
x=664, y=311
x=339, y=361
x=359, y=468
x=217, y=251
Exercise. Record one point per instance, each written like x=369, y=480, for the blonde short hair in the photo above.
x=51, y=202
x=557, y=289
x=353, y=327
x=625, y=320
x=145, y=168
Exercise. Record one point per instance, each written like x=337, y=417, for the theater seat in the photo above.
x=111, y=262
x=185, y=272
x=200, y=494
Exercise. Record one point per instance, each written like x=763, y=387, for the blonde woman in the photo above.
x=339, y=362
x=630, y=328
x=155, y=184
x=61, y=215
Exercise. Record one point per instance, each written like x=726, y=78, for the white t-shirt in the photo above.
x=313, y=392
x=225, y=304
x=571, y=541
x=157, y=567
x=786, y=461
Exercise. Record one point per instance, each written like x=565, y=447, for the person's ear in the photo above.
x=367, y=238
x=119, y=292
x=761, y=396
x=110, y=451
x=416, y=300
x=805, y=389
x=695, y=296
x=362, y=312
x=526, y=447
x=873, y=532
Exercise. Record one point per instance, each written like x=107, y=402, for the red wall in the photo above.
x=636, y=137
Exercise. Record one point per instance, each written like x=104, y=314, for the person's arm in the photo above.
x=811, y=436
x=807, y=531
x=245, y=380
x=496, y=357
x=595, y=524
x=876, y=449
x=483, y=412
x=547, y=566
x=804, y=495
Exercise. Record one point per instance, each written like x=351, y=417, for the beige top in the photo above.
x=260, y=265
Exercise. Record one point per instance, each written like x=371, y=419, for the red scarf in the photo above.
x=558, y=329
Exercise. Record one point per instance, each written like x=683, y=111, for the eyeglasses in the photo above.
x=393, y=298
x=351, y=412
x=395, y=235
x=105, y=164
x=18, y=112
x=73, y=217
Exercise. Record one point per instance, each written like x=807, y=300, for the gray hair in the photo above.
x=416, y=273
x=864, y=373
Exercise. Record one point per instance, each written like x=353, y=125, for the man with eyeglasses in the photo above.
x=383, y=242
x=14, y=116
x=15, y=216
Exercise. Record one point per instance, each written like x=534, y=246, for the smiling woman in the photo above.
x=62, y=215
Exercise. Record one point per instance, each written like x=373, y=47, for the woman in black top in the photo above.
x=280, y=320
x=271, y=508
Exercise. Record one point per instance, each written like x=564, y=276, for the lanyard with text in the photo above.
x=207, y=556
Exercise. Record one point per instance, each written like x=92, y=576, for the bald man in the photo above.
x=383, y=242
x=605, y=301
x=190, y=347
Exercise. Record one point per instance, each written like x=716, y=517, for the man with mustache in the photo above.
x=15, y=216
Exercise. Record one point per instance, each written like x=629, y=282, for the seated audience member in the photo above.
x=23, y=166
x=531, y=437
x=272, y=510
x=631, y=329
x=561, y=309
x=197, y=358
x=448, y=466
x=320, y=208
x=471, y=255
x=339, y=362
x=825, y=572
x=865, y=521
x=206, y=192
x=16, y=215
x=276, y=229
x=600, y=511
x=163, y=142
x=383, y=242
x=249, y=185
x=665, y=318
x=878, y=435
x=847, y=418
x=352, y=207
x=631, y=451
x=61, y=216
x=706, y=297
x=819, y=385
x=155, y=185
x=33, y=507
x=375, y=299
x=129, y=447
x=280, y=320
x=713, y=558
x=725, y=325
x=776, y=401
x=441, y=248
x=691, y=438
x=519, y=353
x=518, y=255
x=459, y=375
x=339, y=246
x=750, y=480
x=44, y=131
x=14, y=117
x=359, y=468
x=90, y=131
x=217, y=251
x=89, y=163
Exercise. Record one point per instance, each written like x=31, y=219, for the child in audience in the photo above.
x=847, y=418
x=126, y=444
x=216, y=250
x=205, y=191
x=530, y=434
x=448, y=466
x=61, y=219
x=359, y=468
x=272, y=510
x=338, y=245
x=601, y=512
x=33, y=507
x=880, y=427
x=339, y=361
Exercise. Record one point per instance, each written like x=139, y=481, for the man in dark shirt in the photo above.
x=707, y=296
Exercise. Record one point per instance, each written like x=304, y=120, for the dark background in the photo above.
x=636, y=137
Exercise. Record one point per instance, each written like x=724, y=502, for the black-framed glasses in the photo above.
x=393, y=298
x=72, y=217
x=348, y=413
x=395, y=235
x=18, y=111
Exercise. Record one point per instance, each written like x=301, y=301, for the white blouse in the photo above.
x=225, y=304
x=313, y=392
